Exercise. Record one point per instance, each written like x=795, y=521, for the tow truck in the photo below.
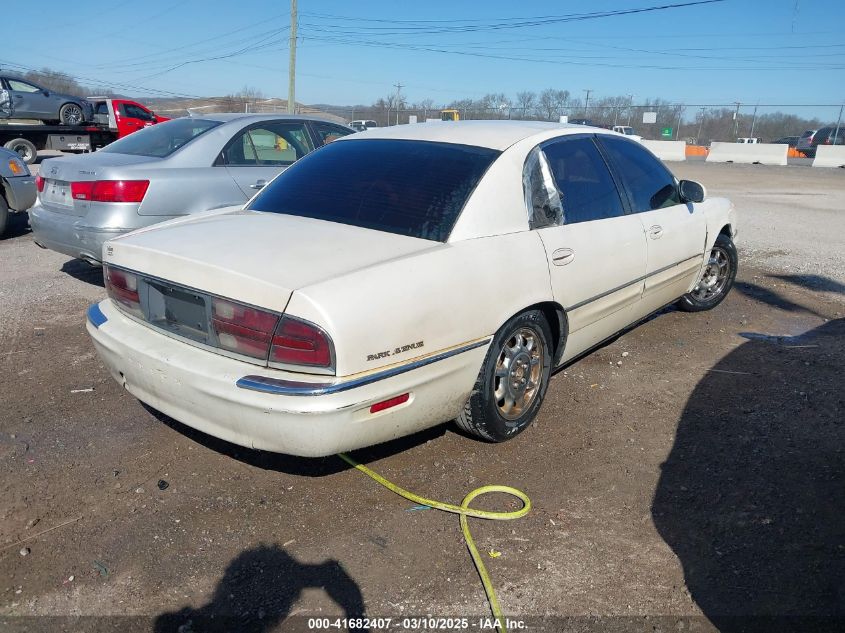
x=113, y=119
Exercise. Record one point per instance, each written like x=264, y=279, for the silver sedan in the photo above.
x=172, y=169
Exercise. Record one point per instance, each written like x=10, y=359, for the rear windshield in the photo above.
x=161, y=140
x=414, y=188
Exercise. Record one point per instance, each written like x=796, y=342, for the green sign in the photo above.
x=667, y=132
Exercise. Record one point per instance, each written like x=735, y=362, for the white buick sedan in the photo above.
x=403, y=277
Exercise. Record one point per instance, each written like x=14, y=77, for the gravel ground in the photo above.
x=687, y=477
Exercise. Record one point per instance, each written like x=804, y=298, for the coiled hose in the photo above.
x=463, y=511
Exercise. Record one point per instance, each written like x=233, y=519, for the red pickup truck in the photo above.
x=113, y=119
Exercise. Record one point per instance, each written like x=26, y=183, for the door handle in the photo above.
x=258, y=184
x=563, y=256
x=655, y=231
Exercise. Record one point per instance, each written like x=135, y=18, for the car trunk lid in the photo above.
x=254, y=257
x=60, y=173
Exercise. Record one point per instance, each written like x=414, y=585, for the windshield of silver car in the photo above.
x=158, y=141
x=407, y=187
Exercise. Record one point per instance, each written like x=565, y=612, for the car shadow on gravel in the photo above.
x=83, y=271
x=771, y=298
x=17, y=226
x=290, y=464
x=257, y=591
x=813, y=282
x=750, y=498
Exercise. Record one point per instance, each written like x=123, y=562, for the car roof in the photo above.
x=493, y=134
x=225, y=117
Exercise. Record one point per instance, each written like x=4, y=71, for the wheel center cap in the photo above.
x=520, y=369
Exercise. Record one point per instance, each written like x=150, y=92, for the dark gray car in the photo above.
x=27, y=100
x=17, y=186
x=171, y=169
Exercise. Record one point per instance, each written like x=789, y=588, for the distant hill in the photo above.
x=182, y=106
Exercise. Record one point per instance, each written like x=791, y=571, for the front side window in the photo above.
x=583, y=180
x=22, y=86
x=413, y=188
x=269, y=144
x=161, y=140
x=135, y=112
x=649, y=184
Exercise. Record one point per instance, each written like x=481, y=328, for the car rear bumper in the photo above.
x=200, y=389
x=20, y=192
x=74, y=235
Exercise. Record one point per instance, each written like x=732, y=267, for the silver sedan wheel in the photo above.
x=519, y=368
x=715, y=277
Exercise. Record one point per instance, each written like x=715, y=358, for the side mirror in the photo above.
x=46, y=93
x=691, y=191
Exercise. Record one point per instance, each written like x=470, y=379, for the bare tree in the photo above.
x=526, y=101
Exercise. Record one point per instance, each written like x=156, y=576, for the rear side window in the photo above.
x=163, y=139
x=268, y=144
x=328, y=132
x=414, y=188
x=584, y=183
x=650, y=185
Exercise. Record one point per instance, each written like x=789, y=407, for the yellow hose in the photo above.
x=463, y=511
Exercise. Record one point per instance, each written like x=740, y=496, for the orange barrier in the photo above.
x=696, y=150
x=794, y=153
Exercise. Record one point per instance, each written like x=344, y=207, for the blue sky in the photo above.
x=763, y=51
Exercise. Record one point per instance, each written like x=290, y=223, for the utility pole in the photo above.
x=587, y=101
x=398, y=87
x=678, y=129
x=292, y=61
x=838, y=121
x=736, y=119
x=630, y=103
x=700, y=123
x=753, y=121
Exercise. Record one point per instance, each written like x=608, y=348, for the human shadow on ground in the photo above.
x=751, y=496
x=257, y=591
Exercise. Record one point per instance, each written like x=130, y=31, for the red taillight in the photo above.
x=39, y=182
x=110, y=190
x=242, y=329
x=81, y=190
x=123, y=289
x=391, y=402
x=300, y=343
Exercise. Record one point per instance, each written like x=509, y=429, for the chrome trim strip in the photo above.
x=293, y=388
x=630, y=283
x=96, y=316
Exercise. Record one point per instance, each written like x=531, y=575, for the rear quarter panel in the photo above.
x=433, y=300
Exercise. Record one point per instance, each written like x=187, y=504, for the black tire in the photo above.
x=23, y=148
x=484, y=414
x=715, y=282
x=71, y=114
x=4, y=215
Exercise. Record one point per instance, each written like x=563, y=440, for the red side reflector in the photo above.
x=392, y=402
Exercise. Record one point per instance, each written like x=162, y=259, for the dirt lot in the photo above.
x=690, y=484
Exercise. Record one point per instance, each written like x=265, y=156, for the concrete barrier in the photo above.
x=667, y=150
x=762, y=153
x=829, y=156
